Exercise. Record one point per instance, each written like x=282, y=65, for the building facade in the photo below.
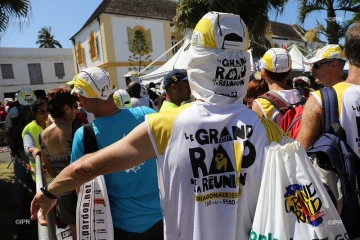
x=120, y=34
x=39, y=68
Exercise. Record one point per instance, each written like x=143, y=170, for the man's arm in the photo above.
x=256, y=108
x=130, y=151
x=311, y=123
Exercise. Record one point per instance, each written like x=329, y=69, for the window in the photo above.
x=7, y=71
x=79, y=54
x=174, y=42
x=92, y=42
x=35, y=73
x=59, y=70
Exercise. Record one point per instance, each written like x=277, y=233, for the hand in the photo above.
x=42, y=205
x=36, y=152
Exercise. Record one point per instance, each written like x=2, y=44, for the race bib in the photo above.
x=93, y=215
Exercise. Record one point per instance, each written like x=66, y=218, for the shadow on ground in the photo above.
x=9, y=212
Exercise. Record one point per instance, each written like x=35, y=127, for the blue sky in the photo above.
x=66, y=17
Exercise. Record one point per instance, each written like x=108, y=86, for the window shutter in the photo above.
x=96, y=46
x=89, y=45
x=130, y=38
x=149, y=40
x=77, y=55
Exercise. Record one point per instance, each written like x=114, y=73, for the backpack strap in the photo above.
x=275, y=99
x=90, y=143
x=330, y=107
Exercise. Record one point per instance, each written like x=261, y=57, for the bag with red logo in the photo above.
x=293, y=202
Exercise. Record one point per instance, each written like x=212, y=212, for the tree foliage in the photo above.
x=253, y=12
x=46, y=39
x=335, y=27
x=16, y=11
x=140, y=52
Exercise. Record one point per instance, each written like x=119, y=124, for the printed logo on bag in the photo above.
x=65, y=234
x=304, y=203
x=223, y=171
x=230, y=72
x=255, y=236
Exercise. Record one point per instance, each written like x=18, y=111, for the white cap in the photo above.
x=331, y=51
x=134, y=77
x=25, y=96
x=122, y=99
x=276, y=60
x=93, y=83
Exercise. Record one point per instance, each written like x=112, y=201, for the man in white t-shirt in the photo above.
x=275, y=67
x=137, y=100
x=210, y=153
x=348, y=96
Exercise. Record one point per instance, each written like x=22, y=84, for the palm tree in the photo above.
x=18, y=10
x=253, y=12
x=46, y=39
x=335, y=28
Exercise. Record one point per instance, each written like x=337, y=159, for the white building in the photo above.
x=106, y=39
x=39, y=68
x=280, y=33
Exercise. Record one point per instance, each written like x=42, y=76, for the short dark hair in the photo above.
x=57, y=98
x=40, y=94
x=277, y=77
x=352, y=44
x=36, y=104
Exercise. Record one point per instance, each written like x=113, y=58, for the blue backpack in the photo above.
x=338, y=165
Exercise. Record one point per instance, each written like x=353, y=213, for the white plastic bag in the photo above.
x=93, y=215
x=293, y=203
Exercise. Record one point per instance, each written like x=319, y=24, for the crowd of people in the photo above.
x=161, y=149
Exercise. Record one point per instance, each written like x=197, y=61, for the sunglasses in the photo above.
x=42, y=112
x=318, y=65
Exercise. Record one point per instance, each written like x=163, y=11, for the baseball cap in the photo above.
x=301, y=78
x=72, y=82
x=221, y=31
x=276, y=60
x=134, y=77
x=331, y=51
x=173, y=77
x=93, y=82
x=122, y=99
x=25, y=96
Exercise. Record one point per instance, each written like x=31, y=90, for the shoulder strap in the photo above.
x=90, y=143
x=275, y=99
x=330, y=107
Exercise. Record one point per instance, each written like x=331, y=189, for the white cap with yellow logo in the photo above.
x=93, y=83
x=331, y=51
x=276, y=60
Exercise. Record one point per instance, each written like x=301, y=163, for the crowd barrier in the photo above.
x=44, y=232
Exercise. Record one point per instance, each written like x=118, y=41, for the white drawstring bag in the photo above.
x=93, y=215
x=293, y=203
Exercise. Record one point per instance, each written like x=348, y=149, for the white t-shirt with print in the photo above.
x=210, y=161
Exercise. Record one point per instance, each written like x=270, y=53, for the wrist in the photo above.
x=46, y=192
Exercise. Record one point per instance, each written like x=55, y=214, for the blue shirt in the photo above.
x=133, y=193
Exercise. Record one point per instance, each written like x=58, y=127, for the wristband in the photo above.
x=45, y=191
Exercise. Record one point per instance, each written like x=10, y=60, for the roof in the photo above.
x=288, y=32
x=155, y=9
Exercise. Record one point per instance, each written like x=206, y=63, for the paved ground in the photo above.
x=5, y=156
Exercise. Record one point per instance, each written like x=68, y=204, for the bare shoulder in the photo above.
x=256, y=108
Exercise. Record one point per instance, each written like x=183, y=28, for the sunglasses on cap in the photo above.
x=42, y=112
x=318, y=64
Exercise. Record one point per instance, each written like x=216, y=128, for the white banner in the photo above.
x=93, y=215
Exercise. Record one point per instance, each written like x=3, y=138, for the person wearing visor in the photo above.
x=328, y=65
x=176, y=85
x=133, y=193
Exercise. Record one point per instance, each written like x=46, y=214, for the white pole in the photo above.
x=148, y=66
